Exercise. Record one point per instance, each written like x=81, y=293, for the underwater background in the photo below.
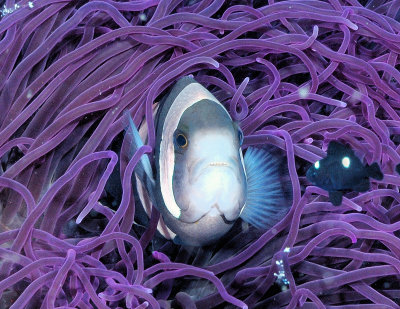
x=293, y=74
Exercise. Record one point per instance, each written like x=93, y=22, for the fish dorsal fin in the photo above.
x=143, y=168
x=267, y=198
x=335, y=148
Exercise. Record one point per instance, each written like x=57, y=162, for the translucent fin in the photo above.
x=268, y=188
x=143, y=169
x=137, y=143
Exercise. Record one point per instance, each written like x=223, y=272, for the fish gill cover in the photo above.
x=294, y=74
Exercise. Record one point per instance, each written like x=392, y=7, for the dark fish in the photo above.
x=398, y=168
x=341, y=171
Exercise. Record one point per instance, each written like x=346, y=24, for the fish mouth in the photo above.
x=216, y=211
x=226, y=221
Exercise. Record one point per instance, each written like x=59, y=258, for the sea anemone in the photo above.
x=293, y=74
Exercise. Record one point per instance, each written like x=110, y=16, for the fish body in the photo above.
x=201, y=182
x=342, y=171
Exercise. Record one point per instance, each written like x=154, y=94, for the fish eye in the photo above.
x=181, y=140
x=240, y=136
x=346, y=162
x=316, y=165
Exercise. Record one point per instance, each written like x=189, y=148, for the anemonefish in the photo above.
x=200, y=182
x=342, y=171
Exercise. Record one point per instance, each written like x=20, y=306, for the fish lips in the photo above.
x=214, y=211
x=207, y=230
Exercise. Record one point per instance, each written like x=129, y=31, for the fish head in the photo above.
x=209, y=178
x=202, y=180
x=319, y=174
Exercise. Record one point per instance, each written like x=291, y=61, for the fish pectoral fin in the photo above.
x=362, y=186
x=268, y=189
x=336, y=197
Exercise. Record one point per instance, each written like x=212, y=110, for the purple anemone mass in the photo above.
x=293, y=74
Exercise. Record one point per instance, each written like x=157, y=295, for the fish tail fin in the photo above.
x=269, y=191
x=143, y=169
x=374, y=171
